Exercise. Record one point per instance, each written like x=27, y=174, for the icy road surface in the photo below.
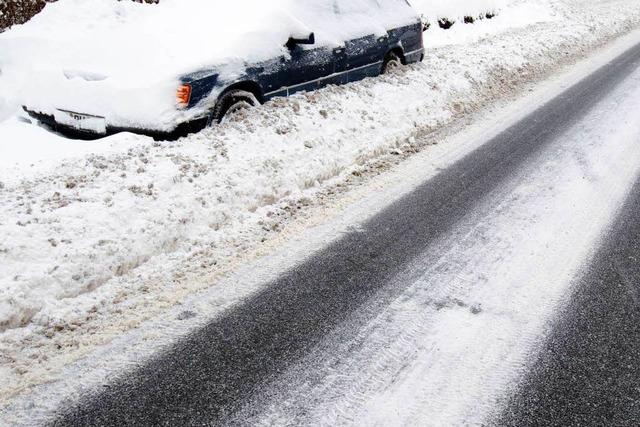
x=429, y=313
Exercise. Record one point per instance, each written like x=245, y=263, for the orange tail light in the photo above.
x=183, y=95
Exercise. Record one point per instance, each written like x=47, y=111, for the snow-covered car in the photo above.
x=181, y=65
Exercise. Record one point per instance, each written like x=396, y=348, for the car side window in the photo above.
x=320, y=16
x=355, y=17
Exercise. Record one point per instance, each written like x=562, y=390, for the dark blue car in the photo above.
x=345, y=41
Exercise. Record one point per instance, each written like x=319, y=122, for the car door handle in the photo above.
x=339, y=50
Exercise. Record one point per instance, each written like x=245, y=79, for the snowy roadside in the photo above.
x=95, y=243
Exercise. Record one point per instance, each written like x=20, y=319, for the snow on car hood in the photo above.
x=93, y=54
x=140, y=43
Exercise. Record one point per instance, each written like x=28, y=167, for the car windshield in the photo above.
x=335, y=21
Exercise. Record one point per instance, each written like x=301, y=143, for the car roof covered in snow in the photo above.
x=138, y=42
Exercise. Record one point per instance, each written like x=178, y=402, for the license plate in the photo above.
x=84, y=122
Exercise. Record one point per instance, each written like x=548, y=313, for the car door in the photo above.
x=364, y=56
x=301, y=70
x=365, y=50
x=309, y=67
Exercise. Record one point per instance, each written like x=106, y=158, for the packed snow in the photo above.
x=457, y=10
x=99, y=236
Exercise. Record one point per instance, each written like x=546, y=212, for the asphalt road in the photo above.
x=588, y=372
x=207, y=377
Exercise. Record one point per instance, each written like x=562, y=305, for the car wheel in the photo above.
x=231, y=105
x=391, y=63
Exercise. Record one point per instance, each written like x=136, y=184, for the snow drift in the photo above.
x=454, y=10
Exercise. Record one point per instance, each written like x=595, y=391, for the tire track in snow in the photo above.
x=587, y=371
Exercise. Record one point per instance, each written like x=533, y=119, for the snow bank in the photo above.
x=120, y=229
x=519, y=14
x=456, y=9
x=5, y=109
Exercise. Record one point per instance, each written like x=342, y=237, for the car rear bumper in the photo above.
x=72, y=132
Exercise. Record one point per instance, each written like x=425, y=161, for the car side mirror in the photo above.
x=295, y=41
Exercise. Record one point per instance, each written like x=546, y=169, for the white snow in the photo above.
x=456, y=9
x=517, y=15
x=98, y=236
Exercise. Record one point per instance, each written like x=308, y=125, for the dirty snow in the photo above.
x=98, y=236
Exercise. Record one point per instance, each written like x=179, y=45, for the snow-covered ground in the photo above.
x=99, y=236
x=457, y=10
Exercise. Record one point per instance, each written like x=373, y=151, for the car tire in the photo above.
x=391, y=62
x=230, y=103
